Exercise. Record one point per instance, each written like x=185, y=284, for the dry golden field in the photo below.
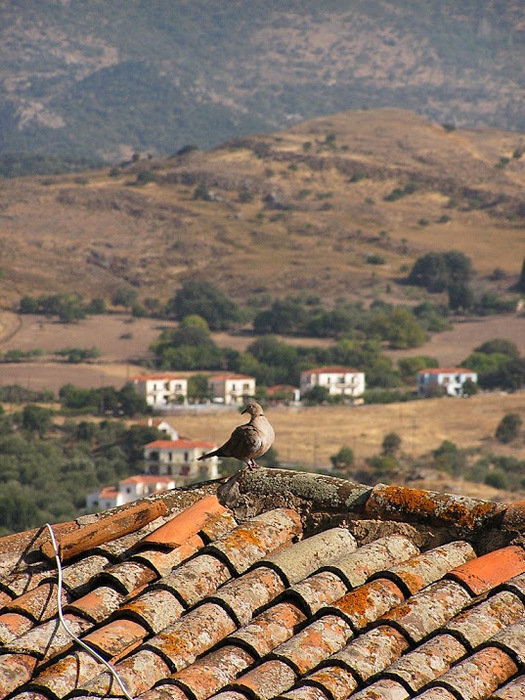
x=309, y=436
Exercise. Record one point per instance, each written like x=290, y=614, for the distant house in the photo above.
x=448, y=379
x=129, y=490
x=231, y=388
x=338, y=380
x=161, y=390
x=161, y=425
x=283, y=393
x=178, y=459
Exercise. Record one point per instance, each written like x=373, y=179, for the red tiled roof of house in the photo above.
x=274, y=584
x=227, y=375
x=109, y=492
x=179, y=444
x=330, y=370
x=147, y=479
x=446, y=370
x=146, y=377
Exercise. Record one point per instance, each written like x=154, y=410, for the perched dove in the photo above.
x=248, y=441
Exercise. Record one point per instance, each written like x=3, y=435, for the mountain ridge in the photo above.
x=105, y=79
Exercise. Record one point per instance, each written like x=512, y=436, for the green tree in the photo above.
x=391, y=444
x=508, y=428
x=202, y=298
x=124, y=296
x=36, y=419
x=130, y=402
x=316, y=395
x=343, y=459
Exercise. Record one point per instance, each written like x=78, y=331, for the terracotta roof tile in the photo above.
x=357, y=566
x=383, y=689
x=13, y=625
x=15, y=670
x=415, y=505
x=429, y=660
x=512, y=640
x=269, y=629
x=266, y=681
x=304, y=558
x=437, y=694
x=156, y=608
x=243, y=596
x=429, y=609
x=334, y=682
x=115, y=637
x=96, y=605
x=49, y=638
x=370, y=653
x=483, y=573
x=212, y=672
x=195, y=579
x=421, y=570
x=477, y=624
x=249, y=542
x=205, y=607
x=64, y=675
x=368, y=602
x=106, y=529
x=314, y=643
x=514, y=690
x=317, y=591
x=478, y=675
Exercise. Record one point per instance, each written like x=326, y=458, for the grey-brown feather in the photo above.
x=248, y=441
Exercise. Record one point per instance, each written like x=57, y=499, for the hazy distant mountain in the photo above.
x=106, y=79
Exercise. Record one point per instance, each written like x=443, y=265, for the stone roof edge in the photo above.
x=318, y=497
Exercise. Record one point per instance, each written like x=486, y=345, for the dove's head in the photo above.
x=253, y=408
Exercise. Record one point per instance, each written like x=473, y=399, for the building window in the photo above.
x=128, y=489
x=186, y=456
x=246, y=387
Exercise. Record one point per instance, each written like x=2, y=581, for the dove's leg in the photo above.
x=252, y=464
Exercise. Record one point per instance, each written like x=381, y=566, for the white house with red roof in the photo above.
x=342, y=381
x=448, y=379
x=128, y=490
x=178, y=459
x=231, y=388
x=161, y=390
x=161, y=425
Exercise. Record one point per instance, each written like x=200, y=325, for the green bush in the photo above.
x=509, y=428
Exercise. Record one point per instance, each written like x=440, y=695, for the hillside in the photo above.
x=335, y=206
x=103, y=80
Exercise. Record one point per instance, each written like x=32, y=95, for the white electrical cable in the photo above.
x=64, y=624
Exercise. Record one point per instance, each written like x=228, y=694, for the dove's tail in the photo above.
x=215, y=453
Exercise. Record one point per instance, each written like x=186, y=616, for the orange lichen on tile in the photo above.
x=492, y=569
x=180, y=528
x=106, y=529
x=116, y=637
x=368, y=602
x=418, y=505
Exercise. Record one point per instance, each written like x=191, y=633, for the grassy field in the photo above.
x=310, y=435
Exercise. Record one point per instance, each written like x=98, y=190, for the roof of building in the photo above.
x=147, y=479
x=179, y=444
x=164, y=376
x=272, y=584
x=229, y=375
x=331, y=370
x=277, y=388
x=108, y=492
x=446, y=370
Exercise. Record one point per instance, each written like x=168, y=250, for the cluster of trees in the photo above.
x=68, y=307
x=452, y=272
x=103, y=401
x=46, y=480
x=498, y=364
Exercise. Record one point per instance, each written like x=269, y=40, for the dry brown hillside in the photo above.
x=299, y=210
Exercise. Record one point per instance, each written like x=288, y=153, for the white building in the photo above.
x=338, y=380
x=231, y=388
x=449, y=379
x=161, y=425
x=178, y=459
x=129, y=490
x=161, y=390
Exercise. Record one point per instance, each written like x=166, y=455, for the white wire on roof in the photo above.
x=70, y=632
